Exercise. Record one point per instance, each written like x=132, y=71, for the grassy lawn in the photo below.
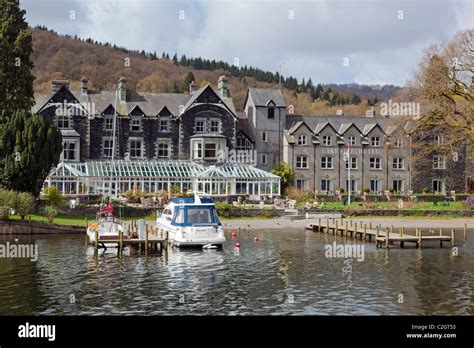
x=458, y=206
x=75, y=220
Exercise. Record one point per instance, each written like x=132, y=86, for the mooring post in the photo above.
x=327, y=225
x=465, y=231
x=402, y=231
x=376, y=235
x=355, y=231
x=146, y=241
x=440, y=232
x=452, y=237
x=420, y=234
x=387, y=238
x=121, y=243
x=336, y=227
x=319, y=225
x=346, y=228
x=370, y=225
x=365, y=231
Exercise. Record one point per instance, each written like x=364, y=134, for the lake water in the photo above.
x=286, y=272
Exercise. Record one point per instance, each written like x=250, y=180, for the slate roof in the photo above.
x=261, y=96
x=150, y=103
x=340, y=123
x=243, y=125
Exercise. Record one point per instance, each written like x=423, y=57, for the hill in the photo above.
x=65, y=57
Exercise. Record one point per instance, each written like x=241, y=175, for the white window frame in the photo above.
x=398, y=142
x=375, y=141
x=352, y=140
x=327, y=162
x=166, y=142
x=352, y=183
x=203, y=127
x=160, y=125
x=210, y=121
x=133, y=123
x=398, y=181
x=142, y=150
x=398, y=163
x=375, y=163
x=443, y=185
x=327, y=140
x=107, y=139
x=76, y=150
x=302, y=183
x=108, y=121
x=302, y=140
x=439, y=139
x=439, y=162
x=375, y=182
x=301, y=162
x=353, y=163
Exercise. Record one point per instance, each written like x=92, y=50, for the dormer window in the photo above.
x=63, y=121
x=302, y=140
x=136, y=124
x=108, y=123
x=375, y=141
x=327, y=140
x=271, y=112
x=352, y=140
x=199, y=126
x=164, y=125
x=214, y=126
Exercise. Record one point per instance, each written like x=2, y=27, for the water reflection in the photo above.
x=284, y=272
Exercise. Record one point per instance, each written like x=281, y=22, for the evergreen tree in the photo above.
x=16, y=79
x=318, y=92
x=175, y=59
x=175, y=88
x=29, y=147
x=187, y=81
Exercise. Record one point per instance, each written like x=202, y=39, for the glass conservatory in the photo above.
x=114, y=178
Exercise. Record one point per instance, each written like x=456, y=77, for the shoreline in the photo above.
x=397, y=222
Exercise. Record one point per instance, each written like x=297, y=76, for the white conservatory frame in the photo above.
x=95, y=177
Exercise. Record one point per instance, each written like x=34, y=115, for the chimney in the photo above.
x=370, y=113
x=339, y=112
x=192, y=87
x=222, y=87
x=57, y=84
x=122, y=93
x=84, y=82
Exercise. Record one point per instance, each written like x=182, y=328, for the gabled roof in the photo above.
x=322, y=125
x=346, y=126
x=261, y=97
x=297, y=125
x=243, y=126
x=226, y=102
x=370, y=127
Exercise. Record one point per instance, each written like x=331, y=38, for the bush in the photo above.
x=134, y=196
x=7, y=203
x=224, y=209
x=367, y=190
x=50, y=213
x=25, y=203
x=299, y=195
x=53, y=197
x=425, y=190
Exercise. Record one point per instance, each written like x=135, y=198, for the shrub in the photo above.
x=425, y=190
x=50, y=213
x=25, y=203
x=7, y=203
x=298, y=194
x=341, y=190
x=53, y=197
x=286, y=173
x=366, y=190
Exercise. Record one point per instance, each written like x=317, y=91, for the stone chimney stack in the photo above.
x=84, y=82
x=192, y=87
x=57, y=84
x=122, y=89
x=370, y=113
x=222, y=87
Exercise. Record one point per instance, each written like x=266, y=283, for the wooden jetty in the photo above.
x=155, y=239
x=381, y=236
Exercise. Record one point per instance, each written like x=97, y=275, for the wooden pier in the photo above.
x=381, y=236
x=155, y=239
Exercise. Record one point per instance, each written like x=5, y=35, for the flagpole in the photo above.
x=349, y=186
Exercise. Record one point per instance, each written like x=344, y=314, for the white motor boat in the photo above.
x=107, y=226
x=192, y=222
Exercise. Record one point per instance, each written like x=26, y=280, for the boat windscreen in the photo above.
x=200, y=216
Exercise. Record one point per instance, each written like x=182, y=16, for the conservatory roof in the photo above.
x=158, y=169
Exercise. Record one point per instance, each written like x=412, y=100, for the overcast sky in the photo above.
x=381, y=40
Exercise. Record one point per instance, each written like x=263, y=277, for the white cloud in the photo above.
x=381, y=47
